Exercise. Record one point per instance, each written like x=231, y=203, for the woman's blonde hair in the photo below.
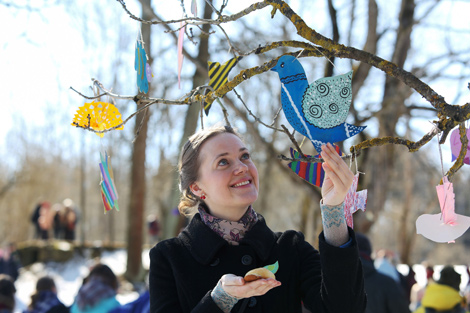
x=189, y=164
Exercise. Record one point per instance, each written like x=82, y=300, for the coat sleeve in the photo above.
x=164, y=296
x=335, y=282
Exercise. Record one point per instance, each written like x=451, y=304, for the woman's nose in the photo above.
x=240, y=168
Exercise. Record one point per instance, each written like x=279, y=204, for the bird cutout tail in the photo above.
x=313, y=173
x=352, y=130
x=218, y=76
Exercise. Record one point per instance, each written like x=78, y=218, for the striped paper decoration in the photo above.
x=311, y=172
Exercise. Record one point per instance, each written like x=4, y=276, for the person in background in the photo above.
x=202, y=270
x=384, y=295
x=69, y=219
x=153, y=228
x=46, y=218
x=35, y=220
x=443, y=296
x=9, y=261
x=98, y=292
x=417, y=291
x=57, y=224
x=7, y=294
x=45, y=300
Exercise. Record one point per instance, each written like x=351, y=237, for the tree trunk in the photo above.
x=134, y=271
x=380, y=162
x=174, y=222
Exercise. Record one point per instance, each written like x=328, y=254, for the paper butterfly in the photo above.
x=446, y=226
x=311, y=172
x=180, y=51
x=317, y=111
x=218, y=76
x=273, y=267
x=456, y=145
x=98, y=116
x=354, y=201
x=108, y=189
x=140, y=66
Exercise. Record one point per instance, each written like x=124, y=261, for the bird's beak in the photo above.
x=274, y=69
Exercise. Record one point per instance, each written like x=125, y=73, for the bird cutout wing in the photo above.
x=446, y=226
x=98, y=116
x=273, y=267
x=218, y=76
x=354, y=201
x=140, y=66
x=310, y=172
x=456, y=145
x=326, y=102
x=318, y=111
x=180, y=52
x=109, y=193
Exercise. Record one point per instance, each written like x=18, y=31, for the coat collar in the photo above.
x=203, y=243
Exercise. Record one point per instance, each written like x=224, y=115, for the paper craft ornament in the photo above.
x=317, y=111
x=273, y=267
x=180, y=51
x=446, y=226
x=311, y=172
x=218, y=76
x=456, y=145
x=98, y=116
x=194, y=7
x=142, y=67
x=109, y=193
x=354, y=201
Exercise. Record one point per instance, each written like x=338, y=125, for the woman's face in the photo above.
x=227, y=177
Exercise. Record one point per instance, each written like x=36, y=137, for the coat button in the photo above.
x=252, y=302
x=216, y=262
x=247, y=260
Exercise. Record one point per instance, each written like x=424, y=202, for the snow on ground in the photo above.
x=68, y=277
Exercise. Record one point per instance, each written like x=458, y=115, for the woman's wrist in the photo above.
x=222, y=299
x=334, y=224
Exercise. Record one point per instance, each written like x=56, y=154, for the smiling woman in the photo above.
x=202, y=269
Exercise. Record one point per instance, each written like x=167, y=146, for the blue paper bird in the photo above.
x=317, y=111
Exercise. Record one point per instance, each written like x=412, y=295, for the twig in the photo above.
x=254, y=116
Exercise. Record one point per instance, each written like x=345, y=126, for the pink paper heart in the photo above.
x=455, y=145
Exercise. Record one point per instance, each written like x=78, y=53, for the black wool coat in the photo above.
x=185, y=269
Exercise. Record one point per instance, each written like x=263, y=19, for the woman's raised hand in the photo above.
x=338, y=177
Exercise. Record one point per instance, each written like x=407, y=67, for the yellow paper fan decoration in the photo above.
x=98, y=115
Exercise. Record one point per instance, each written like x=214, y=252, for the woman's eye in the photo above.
x=245, y=156
x=223, y=162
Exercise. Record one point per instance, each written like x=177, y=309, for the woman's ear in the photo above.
x=195, y=189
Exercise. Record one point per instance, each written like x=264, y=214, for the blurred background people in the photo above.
x=417, y=291
x=443, y=296
x=98, y=292
x=69, y=219
x=46, y=217
x=384, y=295
x=45, y=300
x=9, y=261
x=7, y=294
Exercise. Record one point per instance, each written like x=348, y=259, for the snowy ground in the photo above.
x=68, y=277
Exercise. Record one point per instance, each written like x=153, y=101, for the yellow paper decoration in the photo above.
x=98, y=115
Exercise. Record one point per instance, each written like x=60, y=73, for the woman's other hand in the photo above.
x=238, y=288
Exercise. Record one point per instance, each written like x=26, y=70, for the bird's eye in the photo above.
x=282, y=64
